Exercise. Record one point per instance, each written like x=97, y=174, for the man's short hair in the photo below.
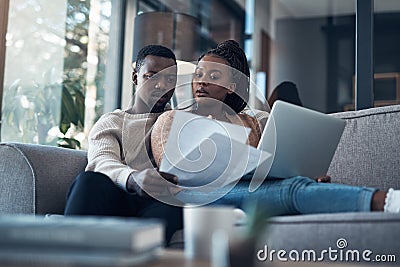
x=153, y=50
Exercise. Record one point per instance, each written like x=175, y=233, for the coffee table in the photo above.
x=175, y=258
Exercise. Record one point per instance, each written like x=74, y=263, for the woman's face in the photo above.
x=212, y=78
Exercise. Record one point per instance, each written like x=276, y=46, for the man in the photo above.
x=120, y=168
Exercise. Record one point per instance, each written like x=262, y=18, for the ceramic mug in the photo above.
x=201, y=223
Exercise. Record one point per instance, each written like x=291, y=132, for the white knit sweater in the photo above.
x=117, y=146
x=119, y=143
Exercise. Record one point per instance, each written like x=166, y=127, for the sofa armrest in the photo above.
x=35, y=178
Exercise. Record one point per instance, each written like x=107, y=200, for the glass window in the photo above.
x=189, y=28
x=216, y=20
x=57, y=52
x=307, y=43
x=387, y=52
x=54, y=70
x=312, y=44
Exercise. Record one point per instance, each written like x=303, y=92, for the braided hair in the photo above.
x=231, y=52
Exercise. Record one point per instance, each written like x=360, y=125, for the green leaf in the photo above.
x=68, y=107
x=80, y=106
x=64, y=127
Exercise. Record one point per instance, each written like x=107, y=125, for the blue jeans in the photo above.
x=297, y=195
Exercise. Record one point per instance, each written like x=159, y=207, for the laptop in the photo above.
x=302, y=141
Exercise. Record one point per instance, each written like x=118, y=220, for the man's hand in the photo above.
x=323, y=179
x=152, y=182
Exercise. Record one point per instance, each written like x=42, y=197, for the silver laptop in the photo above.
x=302, y=141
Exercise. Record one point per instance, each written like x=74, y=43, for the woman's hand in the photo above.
x=151, y=182
x=323, y=179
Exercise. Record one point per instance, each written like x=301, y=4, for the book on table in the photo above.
x=80, y=239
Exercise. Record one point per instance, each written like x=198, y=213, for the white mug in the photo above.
x=200, y=223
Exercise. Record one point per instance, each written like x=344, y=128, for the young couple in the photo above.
x=121, y=166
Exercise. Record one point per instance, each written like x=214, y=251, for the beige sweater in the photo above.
x=116, y=146
x=161, y=129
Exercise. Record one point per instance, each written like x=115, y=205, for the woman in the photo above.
x=221, y=92
x=213, y=87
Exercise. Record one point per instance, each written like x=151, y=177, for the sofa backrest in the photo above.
x=35, y=178
x=369, y=150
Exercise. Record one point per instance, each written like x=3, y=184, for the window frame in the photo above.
x=4, y=7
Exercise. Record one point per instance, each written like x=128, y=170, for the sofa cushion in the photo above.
x=369, y=150
x=35, y=178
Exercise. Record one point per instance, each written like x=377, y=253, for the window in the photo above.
x=56, y=54
x=69, y=61
x=386, y=52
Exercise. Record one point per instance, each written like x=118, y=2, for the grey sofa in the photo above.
x=34, y=179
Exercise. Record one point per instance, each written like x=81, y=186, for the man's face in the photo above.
x=156, y=81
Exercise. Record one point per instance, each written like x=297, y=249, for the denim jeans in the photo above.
x=297, y=195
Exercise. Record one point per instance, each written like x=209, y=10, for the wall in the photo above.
x=265, y=14
x=322, y=62
x=299, y=55
x=298, y=52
